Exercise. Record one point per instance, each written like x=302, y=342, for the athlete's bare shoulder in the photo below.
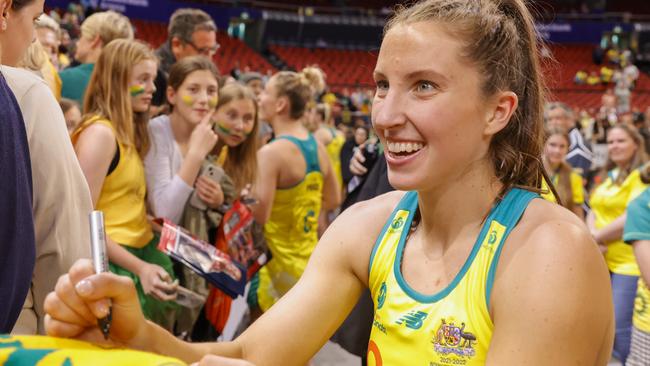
x=357, y=228
x=554, y=234
x=323, y=135
x=549, y=267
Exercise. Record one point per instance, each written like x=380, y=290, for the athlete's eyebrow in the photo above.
x=427, y=74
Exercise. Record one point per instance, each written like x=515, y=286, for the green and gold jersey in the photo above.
x=453, y=326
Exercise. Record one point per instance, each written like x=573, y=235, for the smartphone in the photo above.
x=212, y=172
x=189, y=299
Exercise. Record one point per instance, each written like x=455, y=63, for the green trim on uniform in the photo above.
x=510, y=209
x=405, y=203
x=637, y=223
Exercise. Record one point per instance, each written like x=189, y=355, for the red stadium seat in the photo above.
x=344, y=68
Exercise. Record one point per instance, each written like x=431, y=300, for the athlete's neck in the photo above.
x=292, y=127
x=460, y=204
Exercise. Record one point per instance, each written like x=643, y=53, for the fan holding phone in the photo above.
x=203, y=153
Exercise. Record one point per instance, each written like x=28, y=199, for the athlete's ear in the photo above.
x=281, y=103
x=500, y=109
x=5, y=5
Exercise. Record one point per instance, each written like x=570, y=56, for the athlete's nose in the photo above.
x=388, y=112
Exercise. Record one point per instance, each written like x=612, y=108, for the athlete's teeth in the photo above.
x=404, y=147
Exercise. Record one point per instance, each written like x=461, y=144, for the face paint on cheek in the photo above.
x=188, y=100
x=213, y=102
x=223, y=129
x=136, y=90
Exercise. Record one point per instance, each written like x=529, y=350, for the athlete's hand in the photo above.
x=156, y=282
x=356, y=163
x=81, y=297
x=203, y=138
x=211, y=360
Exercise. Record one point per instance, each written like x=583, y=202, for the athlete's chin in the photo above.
x=406, y=181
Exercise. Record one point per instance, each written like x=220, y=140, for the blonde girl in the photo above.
x=110, y=143
x=567, y=183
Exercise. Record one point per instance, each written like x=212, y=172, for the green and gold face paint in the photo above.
x=223, y=129
x=136, y=90
x=188, y=100
x=220, y=127
x=212, y=102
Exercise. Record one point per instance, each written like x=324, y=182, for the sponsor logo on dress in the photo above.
x=413, y=319
x=397, y=223
x=381, y=298
x=493, y=237
x=495, y=233
x=451, y=339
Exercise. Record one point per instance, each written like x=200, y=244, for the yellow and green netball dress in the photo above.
x=452, y=327
x=576, y=189
x=292, y=230
x=50, y=351
x=609, y=201
x=334, y=152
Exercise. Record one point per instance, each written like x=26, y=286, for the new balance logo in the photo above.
x=413, y=319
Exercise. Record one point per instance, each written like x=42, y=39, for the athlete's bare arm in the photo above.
x=642, y=255
x=331, y=188
x=551, y=303
x=323, y=135
x=290, y=333
x=268, y=170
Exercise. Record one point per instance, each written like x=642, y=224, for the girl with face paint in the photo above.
x=182, y=140
x=181, y=145
x=235, y=122
x=110, y=142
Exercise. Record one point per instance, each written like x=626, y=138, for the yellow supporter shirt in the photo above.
x=608, y=202
x=122, y=198
x=576, y=189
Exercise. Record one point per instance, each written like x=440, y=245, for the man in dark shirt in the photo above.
x=191, y=32
x=17, y=243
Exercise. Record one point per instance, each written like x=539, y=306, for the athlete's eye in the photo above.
x=382, y=87
x=425, y=86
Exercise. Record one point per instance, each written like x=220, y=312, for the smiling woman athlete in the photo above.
x=467, y=266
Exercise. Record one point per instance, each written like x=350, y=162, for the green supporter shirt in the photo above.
x=637, y=227
x=74, y=82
